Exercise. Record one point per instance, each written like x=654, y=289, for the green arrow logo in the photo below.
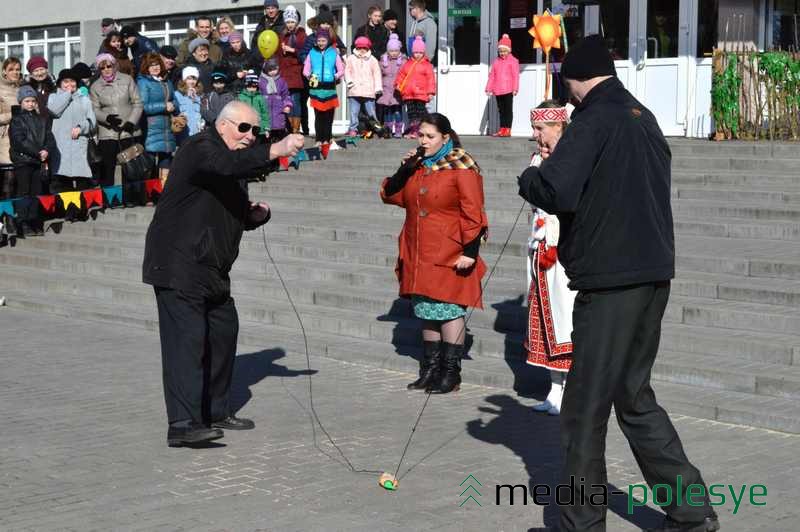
x=469, y=487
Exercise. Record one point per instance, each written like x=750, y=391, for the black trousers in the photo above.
x=323, y=125
x=615, y=337
x=304, y=108
x=60, y=183
x=505, y=104
x=29, y=180
x=198, y=347
x=109, y=150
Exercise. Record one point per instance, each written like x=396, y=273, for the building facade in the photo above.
x=662, y=47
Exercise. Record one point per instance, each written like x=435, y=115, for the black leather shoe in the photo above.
x=709, y=524
x=234, y=423
x=192, y=434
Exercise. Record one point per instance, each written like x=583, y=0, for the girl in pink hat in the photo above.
x=503, y=84
x=416, y=83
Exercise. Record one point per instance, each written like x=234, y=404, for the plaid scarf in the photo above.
x=458, y=159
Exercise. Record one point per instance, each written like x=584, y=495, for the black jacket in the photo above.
x=609, y=181
x=29, y=134
x=233, y=62
x=378, y=35
x=194, y=236
x=277, y=25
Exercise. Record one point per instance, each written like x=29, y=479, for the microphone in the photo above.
x=414, y=160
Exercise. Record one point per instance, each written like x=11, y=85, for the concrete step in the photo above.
x=787, y=178
x=737, y=228
x=695, y=147
x=733, y=195
x=695, y=208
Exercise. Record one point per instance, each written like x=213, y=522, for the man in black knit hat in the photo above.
x=608, y=180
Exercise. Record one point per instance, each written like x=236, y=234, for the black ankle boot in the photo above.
x=451, y=369
x=429, y=366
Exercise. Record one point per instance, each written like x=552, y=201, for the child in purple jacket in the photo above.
x=276, y=93
x=390, y=64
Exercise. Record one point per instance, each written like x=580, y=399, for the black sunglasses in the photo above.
x=244, y=127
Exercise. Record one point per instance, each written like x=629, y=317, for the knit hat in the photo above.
x=418, y=46
x=251, y=78
x=588, y=58
x=66, y=73
x=325, y=17
x=390, y=14
x=26, y=91
x=218, y=75
x=323, y=33
x=82, y=70
x=107, y=21
x=290, y=13
x=363, y=42
x=235, y=36
x=197, y=43
x=190, y=71
x=128, y=31
x=394, y=43
x=270, y=3
x=104, y=58
x=504, y=42
x=37, y=61
x=168, y=51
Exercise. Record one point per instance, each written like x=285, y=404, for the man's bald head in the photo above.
x=229, y=124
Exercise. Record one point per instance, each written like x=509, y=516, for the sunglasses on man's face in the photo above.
x=244, y=127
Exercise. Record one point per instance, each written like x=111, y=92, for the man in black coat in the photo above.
x=191, y=245
x=608, y=180
x=375, y=31
x=138, y=45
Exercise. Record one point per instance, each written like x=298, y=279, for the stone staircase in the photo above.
x=731, y=339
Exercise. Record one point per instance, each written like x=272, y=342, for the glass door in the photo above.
x=463, y=62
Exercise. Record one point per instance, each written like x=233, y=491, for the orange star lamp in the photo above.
x=546, y=33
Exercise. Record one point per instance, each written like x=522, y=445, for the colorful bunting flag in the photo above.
x=113, y=195
x=48, y=203
x=7, y=207
x=71, y=198
x=93, y=197
x=325, y=149
x=314, y=154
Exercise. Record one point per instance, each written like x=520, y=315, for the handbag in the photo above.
x=137, y=164
x=93, y=154
x=177, y=123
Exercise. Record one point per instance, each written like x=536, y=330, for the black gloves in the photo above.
x=406, y=170
x=114, y=121
x=129, y=127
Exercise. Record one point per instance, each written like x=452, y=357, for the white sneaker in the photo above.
x=554, y=410
x=335, y=146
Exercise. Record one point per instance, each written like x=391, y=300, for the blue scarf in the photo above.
x=439, y=155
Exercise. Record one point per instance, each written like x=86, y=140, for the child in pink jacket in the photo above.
x=503, y=84
x=363, y=76
x=416, y=83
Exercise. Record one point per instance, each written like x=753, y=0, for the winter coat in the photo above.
x=276, y=101
x=71, y=110
x=427, y=27
x=206, y=69
x=212, y=103
x=503, y=76
x=43, y=89
x=189, y=107
x=214, y=50
x=311, y=43
x=257, y=102
x=416, y=80
x=277, y=25
x=119, y=97
x=444, y=212
x=8, y=99
x=30, y=134
x=155, y=94
x=142, y=46
x=363, y=76
x=378, y=35
x=389, y=70
x=290, y=64
x=233, y=62
x=193, y=239
x=609, y=180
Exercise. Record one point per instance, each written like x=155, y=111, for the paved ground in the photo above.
x=83, y=447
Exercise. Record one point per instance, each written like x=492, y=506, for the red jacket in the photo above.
x=444, y=212
x=290, y=65
x=416, y=80
x=503, y=76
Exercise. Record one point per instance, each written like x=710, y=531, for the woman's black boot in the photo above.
x=429, y=366
x=451, y=369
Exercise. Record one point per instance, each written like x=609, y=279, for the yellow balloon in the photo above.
x=267, y=43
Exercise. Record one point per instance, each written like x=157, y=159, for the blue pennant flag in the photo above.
x=301, y=156
x=7, y=207
x=113, y=193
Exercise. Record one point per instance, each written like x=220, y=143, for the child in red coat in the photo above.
x=503, y=84
x=416, y=82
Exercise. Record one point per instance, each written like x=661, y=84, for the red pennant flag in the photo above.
x=284, y=162
x=93, y=197
x=48, y=204
x=153, y=185
x=325, y=149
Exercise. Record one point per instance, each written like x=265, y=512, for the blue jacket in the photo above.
x=142, y=46
x=155, y=94
x=323, y=64
x=191, y=108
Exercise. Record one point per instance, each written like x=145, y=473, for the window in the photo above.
x=707, y=27
x=662, y=28
x=34, y=35
x=74, y=52
x=56, y=54
x=464, y=28
x=786, y=25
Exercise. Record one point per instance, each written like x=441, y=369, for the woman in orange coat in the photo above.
x=441, y=188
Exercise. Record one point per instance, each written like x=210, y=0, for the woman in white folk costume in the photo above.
x=550, y=301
